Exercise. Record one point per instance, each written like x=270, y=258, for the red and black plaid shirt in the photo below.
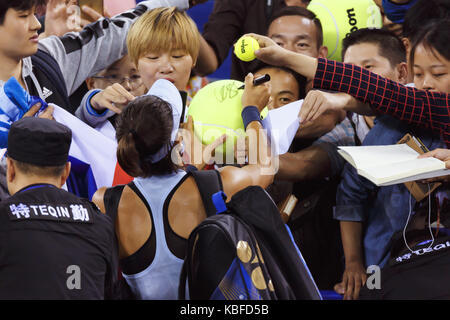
x=425, y=108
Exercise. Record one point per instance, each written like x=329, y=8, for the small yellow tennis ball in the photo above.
x=245, y=48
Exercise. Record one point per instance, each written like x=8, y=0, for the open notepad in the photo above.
x=392, y=164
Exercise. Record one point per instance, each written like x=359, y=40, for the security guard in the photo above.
x=53, y=244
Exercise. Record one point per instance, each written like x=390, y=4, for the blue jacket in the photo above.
x=382, y=210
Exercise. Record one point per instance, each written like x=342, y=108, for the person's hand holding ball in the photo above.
x=245, y=48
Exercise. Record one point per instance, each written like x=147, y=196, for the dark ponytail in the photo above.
x=143, y=128
x=128, y=156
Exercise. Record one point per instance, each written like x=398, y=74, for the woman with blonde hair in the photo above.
x=162, y=44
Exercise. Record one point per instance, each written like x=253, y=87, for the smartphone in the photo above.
x=97, y=5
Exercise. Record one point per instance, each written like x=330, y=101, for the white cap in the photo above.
x=166, y=90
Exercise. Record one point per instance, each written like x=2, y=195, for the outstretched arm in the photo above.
x=307, y=164
x=419, y=107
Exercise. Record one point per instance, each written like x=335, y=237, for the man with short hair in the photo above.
x=54, y=244
x=228, y=21
x=286, y=86
x=298, y=29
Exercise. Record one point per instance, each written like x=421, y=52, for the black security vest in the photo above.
x=54, y=245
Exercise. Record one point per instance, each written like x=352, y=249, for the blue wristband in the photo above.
x=89, y=108
x=250, y=114
x=190, y=168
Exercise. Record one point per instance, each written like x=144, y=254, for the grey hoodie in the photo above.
x=84, y=54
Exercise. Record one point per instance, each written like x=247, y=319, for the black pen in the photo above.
x=258, y=81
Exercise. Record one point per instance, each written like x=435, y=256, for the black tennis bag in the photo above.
x=243, y=250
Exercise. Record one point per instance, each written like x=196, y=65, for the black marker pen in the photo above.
x=258, y=81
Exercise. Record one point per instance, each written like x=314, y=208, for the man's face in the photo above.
x=295, y=33
x=366, y=55
x=19, y=34
x=283, y=87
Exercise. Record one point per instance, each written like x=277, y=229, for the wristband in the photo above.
x=250, y=114
x=89, y=108
x=190, y=168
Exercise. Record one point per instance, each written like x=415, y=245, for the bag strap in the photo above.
x=209, y=184
x=356, y=138
x=183, y=281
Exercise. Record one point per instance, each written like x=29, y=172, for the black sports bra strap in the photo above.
x=137, y=191
x=111, y=200
x=112, y=197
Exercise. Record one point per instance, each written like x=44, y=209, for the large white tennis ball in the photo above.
x=340, y=17
x=216, y=109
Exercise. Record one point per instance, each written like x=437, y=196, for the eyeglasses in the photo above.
x=134, y=82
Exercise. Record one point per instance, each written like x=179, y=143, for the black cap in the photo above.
x=40, y=142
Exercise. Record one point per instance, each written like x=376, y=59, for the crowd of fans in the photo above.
x=136, y=72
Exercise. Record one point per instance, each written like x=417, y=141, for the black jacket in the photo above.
x=54, y=245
